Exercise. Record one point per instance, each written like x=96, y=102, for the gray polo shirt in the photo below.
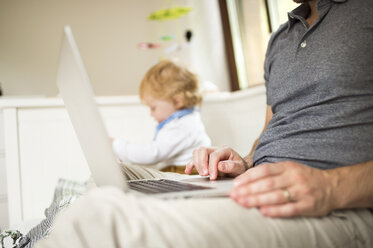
x=319, y=83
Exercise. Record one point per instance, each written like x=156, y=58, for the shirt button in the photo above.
x=303, y=44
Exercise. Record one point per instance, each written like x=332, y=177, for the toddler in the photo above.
x=171, y=93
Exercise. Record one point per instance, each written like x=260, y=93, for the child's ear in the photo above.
x=178, y=101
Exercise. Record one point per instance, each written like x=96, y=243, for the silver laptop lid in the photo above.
x=76, y=91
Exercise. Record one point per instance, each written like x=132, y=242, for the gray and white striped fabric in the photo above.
x=66, y=192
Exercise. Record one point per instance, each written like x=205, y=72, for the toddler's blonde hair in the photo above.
x=165, y=80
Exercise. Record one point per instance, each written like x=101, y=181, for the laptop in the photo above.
x=78, y=96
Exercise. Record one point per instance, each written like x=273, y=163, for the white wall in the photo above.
x=107, y=33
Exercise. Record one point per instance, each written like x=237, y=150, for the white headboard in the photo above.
x=40, y=144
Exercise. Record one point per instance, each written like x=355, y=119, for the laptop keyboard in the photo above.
x=162, y=186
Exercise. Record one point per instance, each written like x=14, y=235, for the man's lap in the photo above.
x=106, y=217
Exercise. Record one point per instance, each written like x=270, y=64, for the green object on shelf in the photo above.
x=167, y=37
x=169, y=14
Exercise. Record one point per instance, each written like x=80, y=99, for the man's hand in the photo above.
x=285, y=189
x=218, y=160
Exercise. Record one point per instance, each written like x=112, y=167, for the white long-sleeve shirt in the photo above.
x=173, y=145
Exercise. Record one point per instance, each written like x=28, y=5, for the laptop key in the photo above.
x=162, y=186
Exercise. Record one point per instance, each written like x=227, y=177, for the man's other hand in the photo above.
x=285, y=189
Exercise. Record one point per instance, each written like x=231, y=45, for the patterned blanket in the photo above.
x=65, y=193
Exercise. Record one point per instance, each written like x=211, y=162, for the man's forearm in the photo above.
x=249, y=157
x=353, y=185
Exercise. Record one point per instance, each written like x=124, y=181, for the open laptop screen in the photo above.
x=75, y=88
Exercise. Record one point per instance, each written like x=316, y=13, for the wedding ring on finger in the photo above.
x=287, y=195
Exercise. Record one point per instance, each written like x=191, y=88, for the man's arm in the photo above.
x=353, y=185
x=249, y=157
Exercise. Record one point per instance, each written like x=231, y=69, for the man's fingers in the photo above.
x=233, y=168
x=226, y=166
x=263, y=185
x=272, y=204
x=215, y=158
x=189, y=167
x=282, y=211
x=258, y=172
x=196, y=162
x=206, y=160
x=274, y=197
x=201, y=158
x=213, y=166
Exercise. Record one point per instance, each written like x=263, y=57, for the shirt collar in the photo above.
x=302, y=11
x=177, y=115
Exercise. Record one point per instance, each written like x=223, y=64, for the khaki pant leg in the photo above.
x=107, y=217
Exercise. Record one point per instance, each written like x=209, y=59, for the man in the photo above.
x=314, y=157
x=323, y=118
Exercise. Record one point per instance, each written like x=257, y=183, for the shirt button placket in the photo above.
x=303, y=44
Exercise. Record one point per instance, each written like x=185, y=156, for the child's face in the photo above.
x=159, y=109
